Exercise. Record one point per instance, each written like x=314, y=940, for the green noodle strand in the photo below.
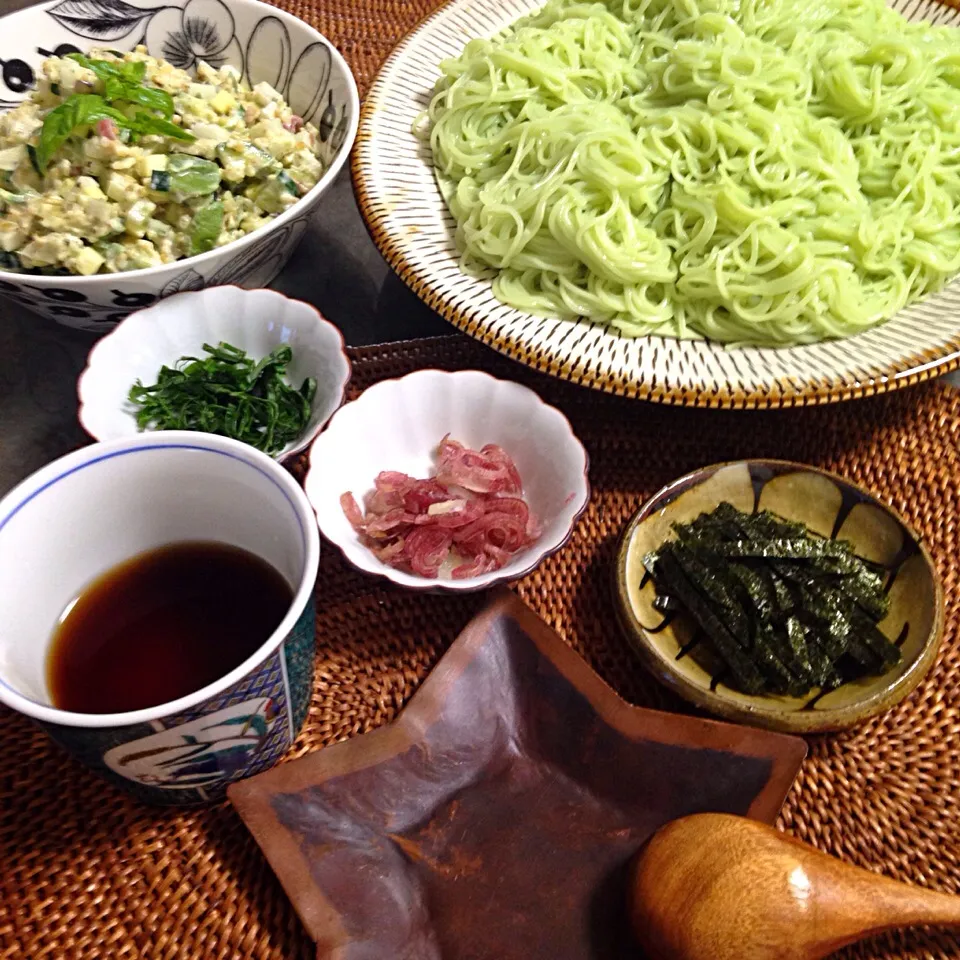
x=768, y=172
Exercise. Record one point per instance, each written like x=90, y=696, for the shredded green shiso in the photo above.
x=229, y=394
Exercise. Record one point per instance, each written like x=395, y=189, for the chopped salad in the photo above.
x=122, y=161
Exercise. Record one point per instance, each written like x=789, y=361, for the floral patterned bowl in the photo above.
x=98, y=506
x=263, y=43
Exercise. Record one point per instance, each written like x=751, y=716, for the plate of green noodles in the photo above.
x=747, y=203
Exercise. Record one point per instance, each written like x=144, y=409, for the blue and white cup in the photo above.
x=101, y=505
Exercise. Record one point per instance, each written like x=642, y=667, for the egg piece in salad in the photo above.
x=122, y=161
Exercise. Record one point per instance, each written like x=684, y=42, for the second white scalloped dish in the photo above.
x=256, y=321
x=397, y=425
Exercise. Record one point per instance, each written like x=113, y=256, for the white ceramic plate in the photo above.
x=409, y=222
x=397, y=425
x=256, y=321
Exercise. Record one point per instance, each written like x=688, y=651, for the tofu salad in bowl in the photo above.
x=133, y=170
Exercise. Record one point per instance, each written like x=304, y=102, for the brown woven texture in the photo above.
x=364, y=31
x=87, y=872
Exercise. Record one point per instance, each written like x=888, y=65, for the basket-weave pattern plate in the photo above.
x=411, y=225
x=88, y=874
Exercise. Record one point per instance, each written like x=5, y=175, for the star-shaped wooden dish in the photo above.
x=496, y=817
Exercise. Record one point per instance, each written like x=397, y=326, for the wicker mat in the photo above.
x=364, y=31
x=86, y=872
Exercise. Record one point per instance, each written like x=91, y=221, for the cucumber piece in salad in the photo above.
x=192, y=176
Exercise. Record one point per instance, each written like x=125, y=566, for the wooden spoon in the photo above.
x=718, y=887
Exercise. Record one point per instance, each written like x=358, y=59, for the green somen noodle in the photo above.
x=770, y=172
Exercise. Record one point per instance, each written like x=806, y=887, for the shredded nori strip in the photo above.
x=817, y=592
x=787, y=610
x=762, y=598
x=726, y=591
x=665, y=604
x=782, y=549
x=668, y=571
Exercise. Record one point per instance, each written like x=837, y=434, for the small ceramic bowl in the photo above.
x=397, y=425
x=256, y=321
x=264, y=44
x=829, y=506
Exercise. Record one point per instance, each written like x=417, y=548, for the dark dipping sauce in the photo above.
x=163, y=625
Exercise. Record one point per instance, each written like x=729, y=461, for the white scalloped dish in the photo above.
x=256, y=321
x=397, y=425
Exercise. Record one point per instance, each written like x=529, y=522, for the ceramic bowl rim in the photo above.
x=87, y=374
x=306, y=202
x=24, y=491
x=797, y=722
x=469, y=584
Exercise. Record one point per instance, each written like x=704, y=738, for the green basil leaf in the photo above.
x=126, y=71
x=57, y=127
x=192, y=176
x=123, y=81
x=149, y=97
x=113, y=88
x=157, y=100
x=80, y=110
x=133, y=71
x=207, y=224
x=144, y=123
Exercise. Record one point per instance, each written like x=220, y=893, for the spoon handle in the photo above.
x=892, y=904
x=720, y=887
x=860, y=902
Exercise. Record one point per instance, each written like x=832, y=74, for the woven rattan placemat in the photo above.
x=364, y=31
x=86, y=872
